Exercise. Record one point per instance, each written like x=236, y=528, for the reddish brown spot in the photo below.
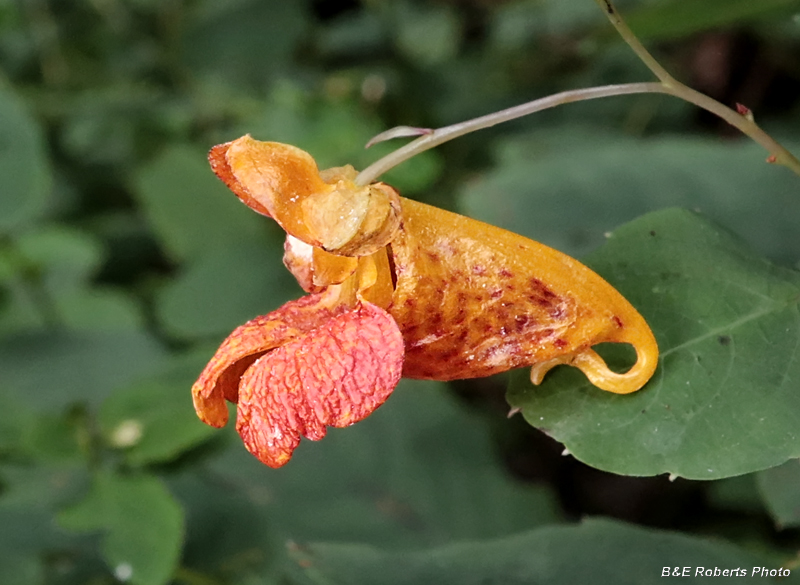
x=497, y=294
x=560, y=343
x=459, y=275
x=505, y=273
x=541, y=288
x=432, y=255
x=618, y=322
x=520, y=322
x=479, y=270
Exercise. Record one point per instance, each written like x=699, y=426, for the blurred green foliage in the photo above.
x=124, y=262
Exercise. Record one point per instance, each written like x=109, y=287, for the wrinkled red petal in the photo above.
x=333, y=376
x=220, y=378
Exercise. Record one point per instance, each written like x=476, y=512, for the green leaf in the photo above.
x=42, y=487
x=514, y=25
x=23, y=165
x=266, y=33
x=596, y=551
x=64, y=258
x=143, y=525
x=21, y=562
x=779, y=490
x=153, y=422
x=419, y=470
x=224, y=288
x=100, y=309
x=51, y=438
x=52, y=369
x=230, y=532
x=724, y=399
x=57, y=438
x=352, y=35
x=677, y=18
x=190, y=209
x=27, y=531
x=47, y=272
x=426, y=35
x=100, y=128
x=562, y=17
x=569, y=187
x=15, y=417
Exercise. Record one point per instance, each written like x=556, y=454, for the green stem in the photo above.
x=638, y=48
x=666, y=84
x=440, y=135
x=778, y=154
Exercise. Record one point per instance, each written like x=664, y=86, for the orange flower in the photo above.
x=396, y=288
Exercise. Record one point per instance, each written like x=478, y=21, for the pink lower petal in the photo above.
x=220, y=378
x=334, y=375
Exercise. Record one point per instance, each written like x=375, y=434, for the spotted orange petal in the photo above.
x=220, y=378
x=473, y=300
x=334, y=376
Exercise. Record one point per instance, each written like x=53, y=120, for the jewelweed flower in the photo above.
x=396, y=288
